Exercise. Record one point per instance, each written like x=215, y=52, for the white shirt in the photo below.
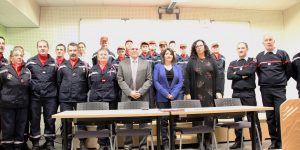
x=134, y=66
x=274, y=51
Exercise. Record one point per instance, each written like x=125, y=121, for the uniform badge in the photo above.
x=9, y=76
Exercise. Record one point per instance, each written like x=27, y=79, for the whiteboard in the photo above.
x=227, y=34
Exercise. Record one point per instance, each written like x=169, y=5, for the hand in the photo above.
x=244, y=77
x=188, y=97
x=219, y=95
x=234, y=72
x=135, y=95
x=170, y=97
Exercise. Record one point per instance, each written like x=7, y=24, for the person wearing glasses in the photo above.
x=135, y=79
x=14, y=87
x=168, y=81
x=201, y=81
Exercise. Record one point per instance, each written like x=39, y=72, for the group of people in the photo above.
x=43, y=83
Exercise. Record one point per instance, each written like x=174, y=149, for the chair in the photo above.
x=81, y=122
x=201, y=129
x=235, y=125
x=134, y=132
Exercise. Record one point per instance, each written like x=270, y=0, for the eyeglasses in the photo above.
x=197, y=46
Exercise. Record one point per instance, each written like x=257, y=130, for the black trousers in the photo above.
x=13, y=122
x=64, y=106
x=105, y=141
x=49, y=106
x=247, y=98
x=164, y=122
x=273, y=97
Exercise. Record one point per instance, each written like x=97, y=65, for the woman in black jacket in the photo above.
x=14, y=83
x=201, y=79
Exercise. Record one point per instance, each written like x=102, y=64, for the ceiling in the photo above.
x=234, y=4
x=20, y=13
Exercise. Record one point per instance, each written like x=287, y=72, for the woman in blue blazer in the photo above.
x=168, y=81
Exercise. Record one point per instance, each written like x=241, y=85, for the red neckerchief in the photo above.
x=144, y=54
x=60, y=60
x=152, y=53
x=43, y=59
x=1, y=56
x=18, y=68
x=73, y=62
x=217, y=55
x=103, y=69
x=183, y=55
x=121, y=58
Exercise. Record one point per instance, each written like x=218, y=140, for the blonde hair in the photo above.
x=16, y=48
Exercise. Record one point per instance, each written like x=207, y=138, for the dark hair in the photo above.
x=37, y=43
x=61, y=45
x=1, y=37
x=164, y=53
x=81, y=43
x=246, y=45
x=72, y=44
x=194, y=53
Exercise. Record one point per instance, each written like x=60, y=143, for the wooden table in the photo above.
x=290, y=124
x=215, y=111
x=113, y=115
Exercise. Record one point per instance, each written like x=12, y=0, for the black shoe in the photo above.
x=49, y=145
x=236, y=145
x=35, y=145
x=272, y=146
x=25, y=147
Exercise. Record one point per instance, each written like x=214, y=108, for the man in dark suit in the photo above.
x=135, y=79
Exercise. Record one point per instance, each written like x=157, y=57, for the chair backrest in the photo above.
x=133, y=105
x=93, y=106
x=185, y=104
x=227, y=102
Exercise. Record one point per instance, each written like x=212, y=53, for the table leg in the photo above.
x=253, y=130
x=65, y=134
x=158, y=130
x=172, y=140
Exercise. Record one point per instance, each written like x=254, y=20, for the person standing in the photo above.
x=182, y=61
x=60, y=51
x=3, y=62
x=135, y=79
x=14, y=86
x=104, y=87
x=242, y=74
x=43, y=95
x=296, y=71
x=201, y=81
x=103, y=44
x=72, y=81
x=273, y=71
x=168, y=81
x=220, y=61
